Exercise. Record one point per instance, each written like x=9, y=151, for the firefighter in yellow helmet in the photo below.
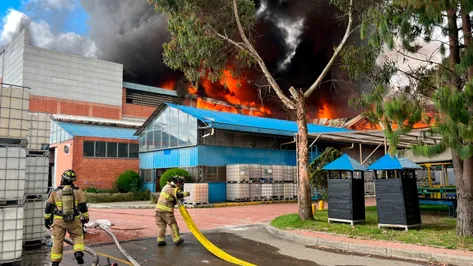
x=170, y=194
x=67, y=204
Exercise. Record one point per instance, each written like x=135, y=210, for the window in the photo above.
x=147, y=175
x=100, y=149
x=134, y=150
x=123, y=150
x=171, y=128
x=112, y=149
x=89, y=148
x=148, y=98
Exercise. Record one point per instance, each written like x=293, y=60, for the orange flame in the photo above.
x=203, y=104
x=168, y=85
x=325, y=111
x=192, y=90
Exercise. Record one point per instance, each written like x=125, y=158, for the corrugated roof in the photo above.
x=388, y=162
x=95, y=121
x=253, y=124
x=344, y=163
x=99, y=131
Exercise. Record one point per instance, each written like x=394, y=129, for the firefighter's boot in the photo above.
x=55, y=264
x=161, y=243
x=179, y=242
x=79, y=255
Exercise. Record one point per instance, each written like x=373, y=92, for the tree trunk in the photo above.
x=305, y=210
x=465, y=200
x=466, y=26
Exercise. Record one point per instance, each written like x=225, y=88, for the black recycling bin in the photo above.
x=397, y=200
x=346, y=191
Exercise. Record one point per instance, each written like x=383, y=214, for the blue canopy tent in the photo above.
x=346, y=197
x=396, y=192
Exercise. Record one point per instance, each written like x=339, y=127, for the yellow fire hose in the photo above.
x=206, y=243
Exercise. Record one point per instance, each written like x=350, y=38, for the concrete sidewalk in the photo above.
x=149, y=205
x=374, y=247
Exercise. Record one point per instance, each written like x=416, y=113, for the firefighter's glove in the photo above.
x=186, y=194
x=85, y=220
x=47, y=223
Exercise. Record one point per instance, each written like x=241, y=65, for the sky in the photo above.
x=54, y=24
x=77, y=24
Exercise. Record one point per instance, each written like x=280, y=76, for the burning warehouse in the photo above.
x=131, y=86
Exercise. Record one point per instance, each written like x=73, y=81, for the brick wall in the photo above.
x=51, y=105
x=100, y=172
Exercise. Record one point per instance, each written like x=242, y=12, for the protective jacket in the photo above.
x=64, y=200
x=55, y=203
x=168, y=198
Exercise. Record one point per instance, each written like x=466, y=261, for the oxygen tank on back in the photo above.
x=68, y=203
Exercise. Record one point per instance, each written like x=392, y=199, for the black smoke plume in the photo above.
x=132, y=33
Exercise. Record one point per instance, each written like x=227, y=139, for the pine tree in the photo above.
x=449, y=83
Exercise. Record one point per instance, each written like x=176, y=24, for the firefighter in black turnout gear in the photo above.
x=67, y=206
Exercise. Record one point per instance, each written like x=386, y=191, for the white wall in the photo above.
x=66, y=76
x=60, y=75
x=11, y=68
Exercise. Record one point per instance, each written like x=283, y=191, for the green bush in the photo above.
x=172, y=172
x=93, y=189
x=117, y=197
x=154, y=198
x=129, y=181
x=317, y=176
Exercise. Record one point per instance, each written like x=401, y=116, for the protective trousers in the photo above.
x=59, y=229
x=163, y=219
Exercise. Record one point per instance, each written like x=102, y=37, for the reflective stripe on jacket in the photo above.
x=167, y=199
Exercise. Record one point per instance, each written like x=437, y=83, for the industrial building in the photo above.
x=99, y=150
x=204, y=142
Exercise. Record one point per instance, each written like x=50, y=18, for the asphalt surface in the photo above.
x=249, y=243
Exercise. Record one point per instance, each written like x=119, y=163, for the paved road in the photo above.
x=250, y=243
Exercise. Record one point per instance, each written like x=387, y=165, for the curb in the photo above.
x=379, y=251
x=121, y=207
x=213, y=205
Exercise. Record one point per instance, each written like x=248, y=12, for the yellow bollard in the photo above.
x=313, y=209
x=321, y=205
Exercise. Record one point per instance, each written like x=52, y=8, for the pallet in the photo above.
x=36, y=197
x=256, y=199
x=11, y=262
x=278, y=181
x=6, y=203
x=238, y=182
x=405, y=227
x=240, y=200
x=15, y=142
x=34, y=243
x=195, y=203
x=289, y=198
x=38, y=153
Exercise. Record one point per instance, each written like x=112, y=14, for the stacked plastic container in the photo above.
x=238, y=178
x=14, y=106
x=37, y=169
x=260, y=182
x=199, y=193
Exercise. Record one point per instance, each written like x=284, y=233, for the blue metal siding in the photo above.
x=217, y=192
x=150, y=186
x=215, y=156
x=221, y=156
x=179, y=157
